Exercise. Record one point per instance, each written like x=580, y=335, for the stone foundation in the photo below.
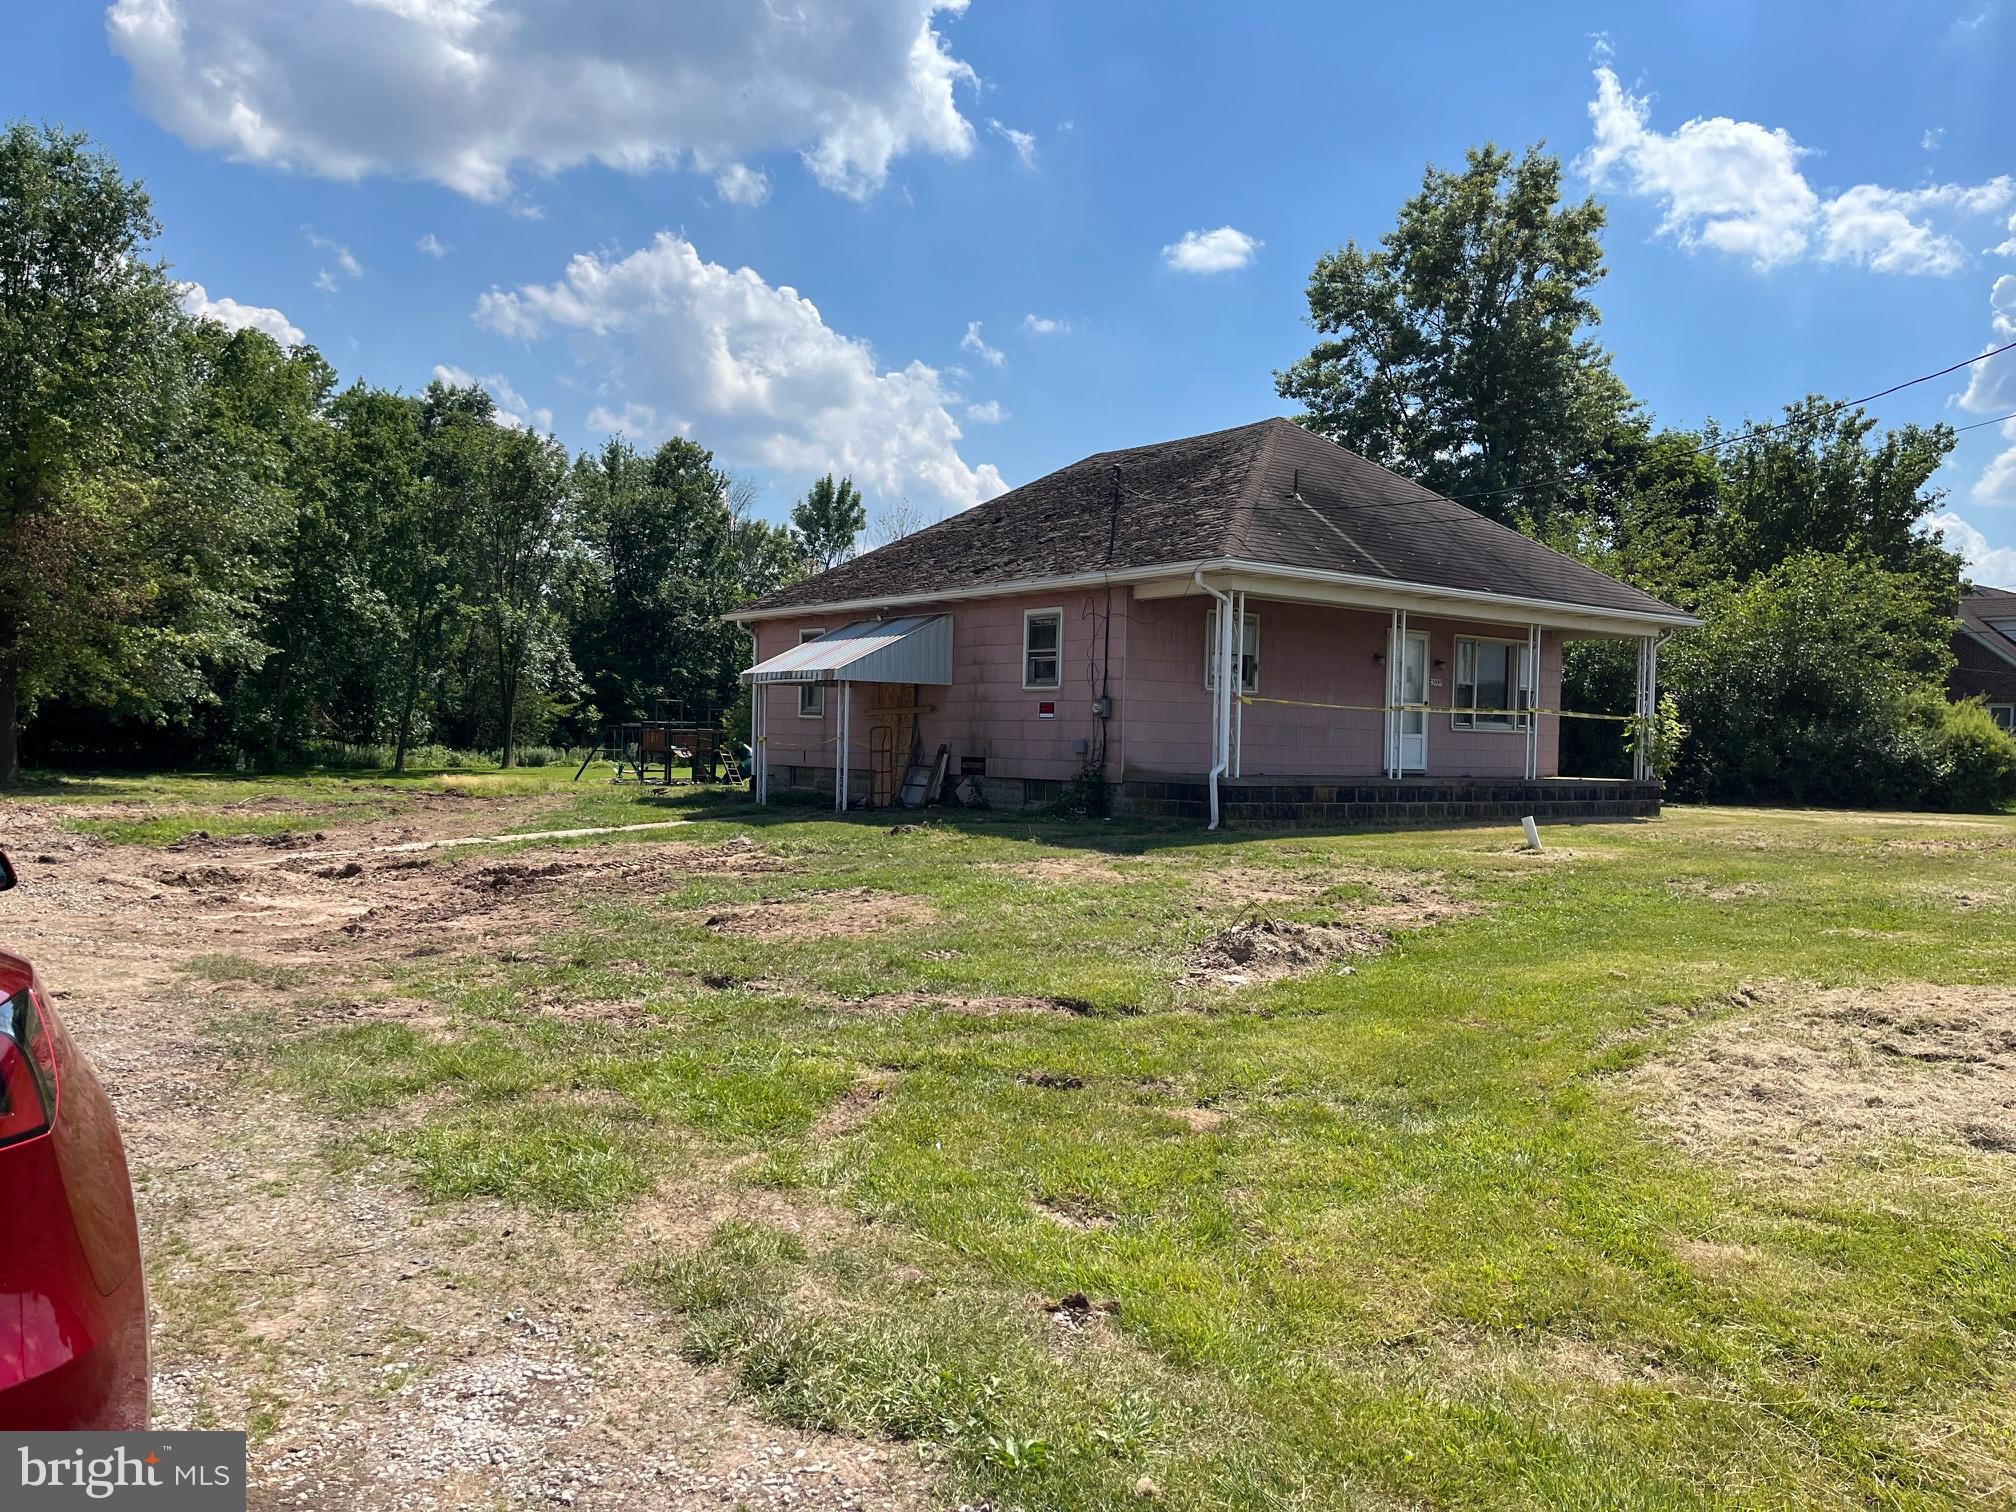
x=1259, y=802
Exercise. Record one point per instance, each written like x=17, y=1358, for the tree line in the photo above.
x=1461, y=351
x=210, y=551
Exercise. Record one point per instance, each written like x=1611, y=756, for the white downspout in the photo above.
x=1221, y=705
x=1239, y=687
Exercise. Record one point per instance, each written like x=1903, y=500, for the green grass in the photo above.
x=1428, y=1252
x=160, y=809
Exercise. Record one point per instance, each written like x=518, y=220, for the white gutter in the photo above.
x=1227, y=564
x=957, y=595
x=1220, y=722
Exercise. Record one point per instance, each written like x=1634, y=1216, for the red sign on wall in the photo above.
x=1046, y=710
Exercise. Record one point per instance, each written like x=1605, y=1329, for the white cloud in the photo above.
x=740, y=184
x=973, y=342
x=1934, y=138
x=1737, y=187
x=1045, y=325
x=1991, y=385
x=237, y=317
x=433, y=246
x=988, y=412
x=753, y=369
x=1222, y=251
x=468, y=93
x=325, y=281
x=2008, y=248
x=513, y=412
x=1991, y=566
x=1885, y=229
x=345, y=260
x=1024, y=142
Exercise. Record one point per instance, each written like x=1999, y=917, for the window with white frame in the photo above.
x=811, y=696
x=1249, y=652
x=1043, y=648
x=2004, y=715
x=1494, y=685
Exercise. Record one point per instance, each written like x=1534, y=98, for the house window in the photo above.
x=1249, y=652
x=1492, y=676
x=811, y=696
x=2004, y=715
x=1043, y=648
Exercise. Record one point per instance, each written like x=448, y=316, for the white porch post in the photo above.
x=1532, y=702
x=759, y=739
x=840, y=691
x=1641, y=755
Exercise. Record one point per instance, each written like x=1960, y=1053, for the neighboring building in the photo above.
x=1399, y=655
x=1985, y=652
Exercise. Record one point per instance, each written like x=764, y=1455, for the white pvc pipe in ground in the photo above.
x=1532, y=833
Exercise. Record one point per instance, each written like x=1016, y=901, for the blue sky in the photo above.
x=621, y=198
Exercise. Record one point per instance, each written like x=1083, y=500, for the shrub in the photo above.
x=1977, y=759
x=1817, y=682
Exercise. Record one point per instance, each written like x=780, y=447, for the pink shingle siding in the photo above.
x=1162, y=715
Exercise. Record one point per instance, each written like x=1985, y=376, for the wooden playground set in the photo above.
x=656, y=750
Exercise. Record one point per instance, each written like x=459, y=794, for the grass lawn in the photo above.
x=1400, y=1227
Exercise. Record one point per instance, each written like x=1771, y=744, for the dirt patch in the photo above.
x=854, y=1107
x=1089, y=867
x=1806, y=1077
x=1731, y=892
x=1197, y=1120
x=841, y=911
x=466, y=1354
x=1056, y=1081
x=984, y=1005
x=1075, y=1212
x=1262, y=944
x=1711, y=1257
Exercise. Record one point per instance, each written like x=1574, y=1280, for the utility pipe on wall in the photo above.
x=1221, y=696
x=1239, y=685
x=759, y=702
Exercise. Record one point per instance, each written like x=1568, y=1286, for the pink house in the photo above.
x=1398, y=655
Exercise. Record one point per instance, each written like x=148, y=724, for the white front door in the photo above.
x=1414, y=693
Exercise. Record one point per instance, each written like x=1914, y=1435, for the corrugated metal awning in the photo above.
x=914, y=649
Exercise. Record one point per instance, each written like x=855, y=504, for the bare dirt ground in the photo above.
x=1802, y=1076
x=385, y=1353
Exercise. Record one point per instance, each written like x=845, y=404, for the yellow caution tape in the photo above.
x=1303, y=703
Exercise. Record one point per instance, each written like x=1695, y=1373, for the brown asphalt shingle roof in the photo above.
x=1985, y=611
x=1226, y=494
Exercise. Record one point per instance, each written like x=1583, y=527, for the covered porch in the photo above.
x=875, y=674
x=1369, y=703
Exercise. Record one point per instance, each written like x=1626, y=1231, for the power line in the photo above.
x=1960, y=430
x=1752, y=435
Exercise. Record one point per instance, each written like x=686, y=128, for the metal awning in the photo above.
x=914, y=649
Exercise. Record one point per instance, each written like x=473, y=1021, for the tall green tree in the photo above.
x=1458, y=352
x=135, y=510
x=524, y=541
x=666, y=565
x=830, y=519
